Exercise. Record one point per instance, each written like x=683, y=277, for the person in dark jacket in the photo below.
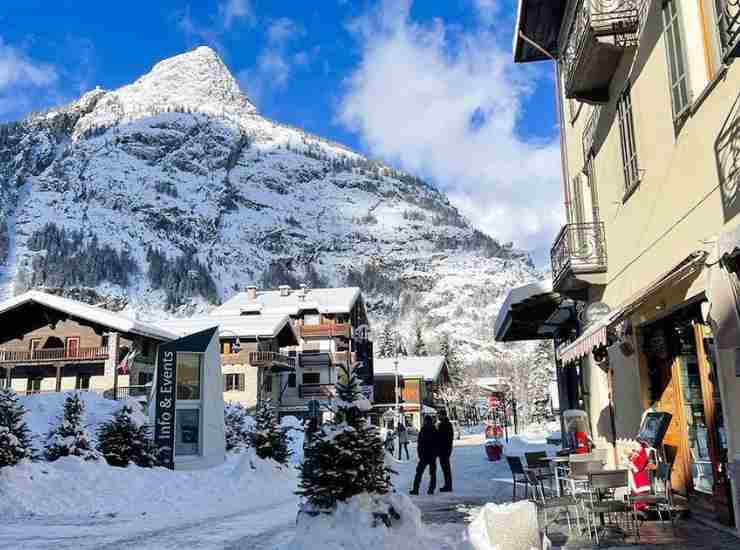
x=427, y=450
x=445, y=435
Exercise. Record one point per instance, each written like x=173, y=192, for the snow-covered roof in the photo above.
x=244, y=326
x=492, y=383
x=93, y=314
x=427, y=367
x=531, y=312
x=324, y=300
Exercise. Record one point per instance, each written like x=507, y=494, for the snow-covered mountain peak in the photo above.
x=195, y=81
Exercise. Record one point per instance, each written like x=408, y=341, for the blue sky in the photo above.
x=425, y=85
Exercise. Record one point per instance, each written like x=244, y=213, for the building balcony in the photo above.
x=317, y=391
x=579, y=257
x=728, y=18
x=326, y=330
x=599, y=34
x=54, y=355
x=343, y=357
x=271, y=359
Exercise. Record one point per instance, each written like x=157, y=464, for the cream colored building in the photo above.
x=648, y=96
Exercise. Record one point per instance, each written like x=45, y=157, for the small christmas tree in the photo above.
x=386, y=347
x=347, y=457
x=269, y=439
x=420, y=348
x=122, y=441
x=70, y=437
x=237, y=433
x=15, y=437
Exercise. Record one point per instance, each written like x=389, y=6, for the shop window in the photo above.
x=311, y=378
x=33, y=385
x=233, y=382
x=82, y=382
x=187, y=440
x=188, y=375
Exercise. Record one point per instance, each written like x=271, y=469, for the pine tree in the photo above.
x=269, y=439
x=15, y=437
x=70, y=437
x=346, y=457
x=122, y=441
x=420, y=348
x=386, y=347
x=237, y=433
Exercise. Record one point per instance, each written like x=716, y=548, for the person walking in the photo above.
x=426, y=449
x=445, y=435
x=403, y=440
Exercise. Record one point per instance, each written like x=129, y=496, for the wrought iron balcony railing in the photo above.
x=728, y=18
x=578, y=248
x=599, y=31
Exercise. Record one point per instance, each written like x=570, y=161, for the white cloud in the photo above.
x=445, y=105
x=219, y=23
x=231, y=10
x=16, y=69
x=487, y=9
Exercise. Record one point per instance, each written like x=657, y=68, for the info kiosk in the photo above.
x=188, y=406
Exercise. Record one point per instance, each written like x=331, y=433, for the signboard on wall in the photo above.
x=165, y=397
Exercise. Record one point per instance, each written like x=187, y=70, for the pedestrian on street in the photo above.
x=426, y=449
x=403, y=440
x=445, y=435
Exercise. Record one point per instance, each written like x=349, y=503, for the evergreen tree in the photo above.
x=122, y=441
x=237, y=433
x=70, y=437
x=269, y=439
x=346, y=457
x=386, y=349
x=420, y=348
x=15, y=437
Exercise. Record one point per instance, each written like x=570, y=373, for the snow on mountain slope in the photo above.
x=169, y=194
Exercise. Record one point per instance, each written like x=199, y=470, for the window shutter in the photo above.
x=241, y=381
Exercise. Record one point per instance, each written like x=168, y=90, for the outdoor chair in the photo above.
x=518, y=475
x=663, y=501
x=558, y=504
x=578, y=475
x=602, y=501
x=537, y=463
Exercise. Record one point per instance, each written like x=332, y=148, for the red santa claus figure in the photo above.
x=640, y=474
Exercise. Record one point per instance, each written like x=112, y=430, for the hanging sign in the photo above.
x=164, y=416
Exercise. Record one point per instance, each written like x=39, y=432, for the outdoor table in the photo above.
x=555, y=462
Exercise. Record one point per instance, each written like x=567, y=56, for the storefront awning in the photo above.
x=532, y=312
x=593, y=337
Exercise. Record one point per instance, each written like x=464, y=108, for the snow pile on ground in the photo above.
x=71, y=486
x=358, y=524
x=505, y=527
x=529, y=442
x=44, y=410
x=296, y=435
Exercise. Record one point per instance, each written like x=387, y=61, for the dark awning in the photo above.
x=539, y=21
x=532, y=312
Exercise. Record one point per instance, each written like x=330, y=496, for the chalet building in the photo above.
x=418, y=379
x=250, y=347
x=325, y=320
x=49, y=343
x=643, y=304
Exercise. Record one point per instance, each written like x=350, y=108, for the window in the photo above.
x=33, y=385
x=188, y=375
x=267, y=383
x=311, y=377
x=677, y=69
x=627, y=142
x=225, y=347
x=291, y=380
x=82, y=382
x=146, y=348
x=187, y=431
x=233, y=382
x=145, y=378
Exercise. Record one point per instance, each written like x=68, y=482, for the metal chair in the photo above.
x=517, y=469
x=578, y=474
x=602, y=501
x=545, y=504
x=662, y=501
x=536, y=462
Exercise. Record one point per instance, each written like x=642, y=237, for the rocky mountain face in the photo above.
x=168, y=195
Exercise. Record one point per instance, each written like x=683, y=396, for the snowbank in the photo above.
x=44, y=409
x=505, y=527
x=529, y=442
x=71, y=486
x=354, y=526
x=296, y=435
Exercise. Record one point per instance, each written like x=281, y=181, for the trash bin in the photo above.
x=493, y=450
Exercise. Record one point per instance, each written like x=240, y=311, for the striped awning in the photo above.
x=583, y=345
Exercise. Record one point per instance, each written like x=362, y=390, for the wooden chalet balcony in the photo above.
x=317, y=391
x=271, y=359
x=326, y=330
x=80, y=355
x=578, y=257
x=343, y=357
x=728, y=18
x=599, y=34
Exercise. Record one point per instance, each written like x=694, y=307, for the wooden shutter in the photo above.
x=240, y=379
